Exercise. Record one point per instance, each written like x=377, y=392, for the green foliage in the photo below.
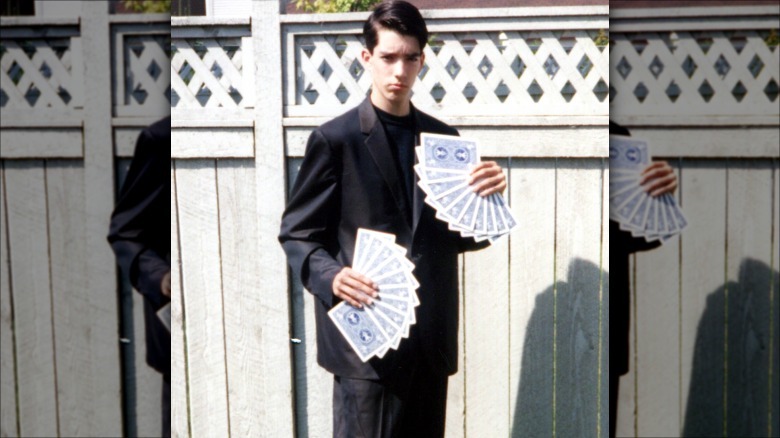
x=148, y=6
x=602, y=39
x=327, y=6
x=772, y=40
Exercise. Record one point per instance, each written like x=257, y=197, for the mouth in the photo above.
x=397, y=86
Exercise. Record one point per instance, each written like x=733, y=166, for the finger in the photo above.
x=659, y=183
x=488, y=183
x=657, y=173
x=355, y=294
x=362, y=278
x=499, y=188
x=484, y=173
x=655, y=165
x=669, y=188
x=359, y=285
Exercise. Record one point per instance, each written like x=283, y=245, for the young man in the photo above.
x=140, y=236
x=357, y=172
x=658, y=178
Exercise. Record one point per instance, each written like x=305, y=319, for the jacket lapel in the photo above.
x=418, y=197
x=379, y=147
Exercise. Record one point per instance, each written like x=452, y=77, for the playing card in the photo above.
x=360, y=331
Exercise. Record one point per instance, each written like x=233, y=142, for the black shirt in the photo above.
x=401, y=137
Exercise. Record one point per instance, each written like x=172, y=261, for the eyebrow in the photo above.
x=383, y=53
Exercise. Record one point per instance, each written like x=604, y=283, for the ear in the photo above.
x=365, y=55
x=422, y=62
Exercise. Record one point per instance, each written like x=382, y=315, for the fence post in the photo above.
x=276, y=385
x=100, y=268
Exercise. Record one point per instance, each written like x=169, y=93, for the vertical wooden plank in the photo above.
x=657, y=340
x=147, y=382
x=179, y=382
x=239, y=246
x=79, y=345
x=99, y=261
x=201, y=263
x=8, y=424
x=28, y=242
x=532, y=276
x=275, y=385
x=604, y=304
x=455, y=421
x=750, y=274
x=703, y=197
x=313, y=385
x=773, y=414
x=487, y=324
x=626, y=423
x=577, y=260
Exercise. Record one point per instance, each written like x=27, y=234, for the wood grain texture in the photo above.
x=85, y=321
x=703, y=198
x=657, y=303
x=275, y=386
x=532, y=197
x=240, y=280
x=455, y=421
x=578, y=238
x=29, y=246
x=604, y=423
x=179, y=382
x=626, y=423
x=486, y=303
x=313, y=385
x=773, y=428
x=201, y=262
x=748, y=266
x=8, y=424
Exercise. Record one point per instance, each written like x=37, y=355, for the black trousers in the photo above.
x=614, y=381
x=166, y=407
x=410, y=403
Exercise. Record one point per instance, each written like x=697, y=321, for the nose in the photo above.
x=398, y=69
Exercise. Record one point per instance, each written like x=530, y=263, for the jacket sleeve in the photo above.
x=140, y=223
x=628, y=243
x=309, y=223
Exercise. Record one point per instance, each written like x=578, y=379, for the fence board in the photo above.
x=703, y=199
x=657, y=321
x=604, y=306
x=83, y=347
x=179, y=371
x=486, y=302
x=532, y=197
x=201, y=264
x=146, y=381
x=29, y=246
x=8, y=423
x=577, y=265
x=626, y=423
x=774, y=350
x=748, y=267
x=455, y=421
x=239, y=243
x=313, y=385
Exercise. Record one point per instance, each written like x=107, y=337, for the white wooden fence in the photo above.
x=701, y=85
x=76, y=91
x=529, y=83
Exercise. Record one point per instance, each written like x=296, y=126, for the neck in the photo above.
x=399, y=109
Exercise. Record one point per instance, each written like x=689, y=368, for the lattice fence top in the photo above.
x=39, y=73
x=712, y=73
x=465, y=73
x=208, y=72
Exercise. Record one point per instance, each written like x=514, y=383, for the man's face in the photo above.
x=394, y=65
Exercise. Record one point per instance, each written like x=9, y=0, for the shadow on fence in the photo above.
x=731, y=392
x=559, y=375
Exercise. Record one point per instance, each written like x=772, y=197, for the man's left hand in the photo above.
x=487, y=178
x=166, y=284
x=658, y=178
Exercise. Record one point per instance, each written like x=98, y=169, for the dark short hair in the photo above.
x=399, y=16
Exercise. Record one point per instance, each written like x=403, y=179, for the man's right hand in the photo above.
x=166, y=285
x=354, y=288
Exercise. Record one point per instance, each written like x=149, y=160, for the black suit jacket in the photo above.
x=349, y=180
x=621, y=245
x=140, y=233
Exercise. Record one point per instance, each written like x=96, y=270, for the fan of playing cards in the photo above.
x=373, y=330
x=654, y=218
x=444, y=164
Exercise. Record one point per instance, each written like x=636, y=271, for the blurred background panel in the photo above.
x=699, y=81
x=78, y=82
